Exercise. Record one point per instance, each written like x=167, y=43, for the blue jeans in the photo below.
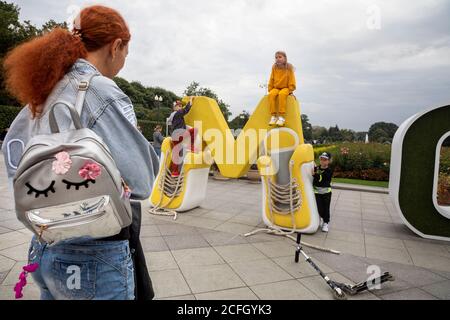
x=158, y=151
x=89, y=270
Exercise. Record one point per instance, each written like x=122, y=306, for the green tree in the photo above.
x=143, y=99
x=348, y=135
x=239, y=121
x=194, y=89
x=307, y=128
x=382, y=132
x=334, y=133
x=319, y=133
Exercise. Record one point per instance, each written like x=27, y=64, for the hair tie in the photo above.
x=77, y=33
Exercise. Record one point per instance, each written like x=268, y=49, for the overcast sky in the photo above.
x=357, y=62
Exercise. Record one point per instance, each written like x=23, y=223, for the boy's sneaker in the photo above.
x=325, y=227
x=281, y=121
x=273, y=121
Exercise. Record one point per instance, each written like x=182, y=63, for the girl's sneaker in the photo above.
x=273, y=121
x=281, y=121
x=325, y=227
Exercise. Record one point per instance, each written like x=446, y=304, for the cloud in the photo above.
x=347, y=73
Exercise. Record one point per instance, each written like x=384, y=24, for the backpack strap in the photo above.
x=83, y=86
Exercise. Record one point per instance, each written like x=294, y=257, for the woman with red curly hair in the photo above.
x=47, y=69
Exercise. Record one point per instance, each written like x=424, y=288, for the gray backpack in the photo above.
x=67, y=185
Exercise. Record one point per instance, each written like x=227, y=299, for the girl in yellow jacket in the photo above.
x=281, y=84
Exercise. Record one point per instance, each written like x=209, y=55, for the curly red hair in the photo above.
x=33, y=68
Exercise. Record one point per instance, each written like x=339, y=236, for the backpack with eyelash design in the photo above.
x=67, y=185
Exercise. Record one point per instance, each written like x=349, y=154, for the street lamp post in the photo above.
x=158, y=103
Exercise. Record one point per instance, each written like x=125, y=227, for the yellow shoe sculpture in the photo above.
x=286, y=166
x=288, y=201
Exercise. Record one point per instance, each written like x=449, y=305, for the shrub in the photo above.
x=7, y=116
x=359, y=160
x=148, y=127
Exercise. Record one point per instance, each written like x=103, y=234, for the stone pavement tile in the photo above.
x=283, y=290
x=12, y=224
x=388, y=254
x=152, y=244
x=345, y=236
x=185, y=241
x=376, y=217
x=392, y=286
x=247, y=219
x=186, y=297
x=229, y=294
x=421, y=247
x=150, y=231
x=211, y=278
x=218, y=215
x=409, y=294
x=236, y=207
x=389, y=230
x=169, y=283
x=173, y=229
x=431, y=261
x=218, y=238
x=345, y=208
x=347, y=214
x=4, y=230
x=354, y=248
x=7, y=203
x=12, y=239
x=340, y=262
x=17, y=253
x=444, y=274
x=275, y=249
x=26, y=231
x=302, y=268
x=416, y=276
x=234, y=228
x=30, y=292
x=197, y=257
x=346, y=224
x=201, y=230
x=149, y=219
x=202, y=222
x=384, y=242
x=197, y=212
x=239, y=252
x=13, y=274
x=260, y=271
x=374, y=261
x=440, y=290
x=263, y=237
x=162, y=260
x=6, y=264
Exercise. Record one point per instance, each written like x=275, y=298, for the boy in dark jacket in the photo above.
x=322, y=188
x=179, y=133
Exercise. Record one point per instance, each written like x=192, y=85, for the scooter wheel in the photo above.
x=297, y=254
x=339, y=295
x=391, y=278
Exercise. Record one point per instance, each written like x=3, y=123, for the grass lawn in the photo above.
x=381, y=184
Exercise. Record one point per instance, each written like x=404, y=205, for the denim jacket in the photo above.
x=107, y=111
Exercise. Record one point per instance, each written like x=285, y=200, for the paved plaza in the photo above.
x=203, y=255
